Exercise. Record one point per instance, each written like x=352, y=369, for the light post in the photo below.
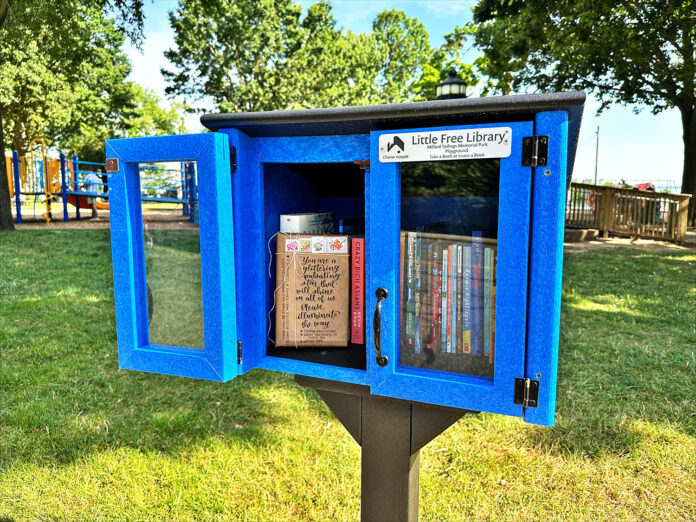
x=451, y=87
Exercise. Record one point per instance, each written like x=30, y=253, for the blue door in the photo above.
x=174, y=283
x=448, y=232
x=289, y=175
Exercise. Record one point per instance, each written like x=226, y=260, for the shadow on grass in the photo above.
x=73, y=418
x=186, y=240
x=626, y=359
x=626, y=351
x=62, y=396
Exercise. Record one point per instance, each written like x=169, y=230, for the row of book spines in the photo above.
x=451, y=238
x=423, y=309
x=454, y=281
x=461, y=324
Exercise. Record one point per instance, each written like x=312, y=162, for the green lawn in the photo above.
x=173, y=271
x=82, y=440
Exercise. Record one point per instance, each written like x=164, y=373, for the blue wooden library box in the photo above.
x=455, y=206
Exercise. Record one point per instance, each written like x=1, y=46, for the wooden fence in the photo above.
x=631, y=212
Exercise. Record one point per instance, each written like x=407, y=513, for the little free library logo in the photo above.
x=455, y=144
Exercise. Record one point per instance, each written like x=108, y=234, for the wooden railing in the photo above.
x=629, y=212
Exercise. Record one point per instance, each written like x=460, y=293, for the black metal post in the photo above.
x=391, y=433
x=390, y=472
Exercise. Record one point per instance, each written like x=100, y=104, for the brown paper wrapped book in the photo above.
x=313, y=290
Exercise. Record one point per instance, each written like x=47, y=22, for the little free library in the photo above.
x=414, y=249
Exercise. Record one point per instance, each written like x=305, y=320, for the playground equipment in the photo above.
x=47, y=178
x=35, y=175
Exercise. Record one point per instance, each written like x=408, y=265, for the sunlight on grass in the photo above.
x=604, y=303
x=82, y=440
x=66, y=292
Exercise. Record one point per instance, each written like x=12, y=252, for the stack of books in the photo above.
x=448, y=294
x=293, y=289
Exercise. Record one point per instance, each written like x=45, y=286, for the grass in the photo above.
x=173, y=271
x=80, y=439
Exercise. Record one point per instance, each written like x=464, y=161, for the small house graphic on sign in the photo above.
x=396, y=142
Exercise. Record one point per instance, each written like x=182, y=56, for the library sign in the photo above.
x=446, y=145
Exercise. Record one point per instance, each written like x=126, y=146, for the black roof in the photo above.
x=366, y=118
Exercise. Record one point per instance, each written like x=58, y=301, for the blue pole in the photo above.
x=63, y=186
x=39, y=167
x=76, y=187
x=192, y=191
x=18, y=186
x=182, y=168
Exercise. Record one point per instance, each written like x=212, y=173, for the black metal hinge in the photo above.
x=526, y=392
x=535, y=151
x=233, y=159
x=239, y=352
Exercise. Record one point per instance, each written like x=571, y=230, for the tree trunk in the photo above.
x=6, y=223
x=689, y=179
x=689, y=173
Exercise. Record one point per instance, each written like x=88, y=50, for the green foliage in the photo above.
x=450, y=55
x=451, y=178
x=31, y=93
x=63, y=76
x=136, y=112
x=402, y=44
x=147, y=118
x=628, y=52
x=249, y=56
x=82, y=440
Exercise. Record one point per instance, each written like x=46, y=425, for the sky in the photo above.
x=626, y=139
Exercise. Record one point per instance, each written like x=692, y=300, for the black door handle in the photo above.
x=382, y=294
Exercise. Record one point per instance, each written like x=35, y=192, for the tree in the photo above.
x=46, y=51
x=627, y=52
x=55, y=60
x=246, y=55
x=329, y=65
x=449, y=56
x=403, y=47
x=137, y=114
x=5, y=209
x=53, y=85
x=148, y=118
x=233, y=51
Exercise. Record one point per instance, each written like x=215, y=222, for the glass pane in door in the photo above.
x=172, y=255
x=449, y=230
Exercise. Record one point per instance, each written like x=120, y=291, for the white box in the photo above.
x=307, y=223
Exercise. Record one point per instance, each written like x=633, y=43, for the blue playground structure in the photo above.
x=46, y=178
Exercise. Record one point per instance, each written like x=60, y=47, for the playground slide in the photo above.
x=84, y=204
